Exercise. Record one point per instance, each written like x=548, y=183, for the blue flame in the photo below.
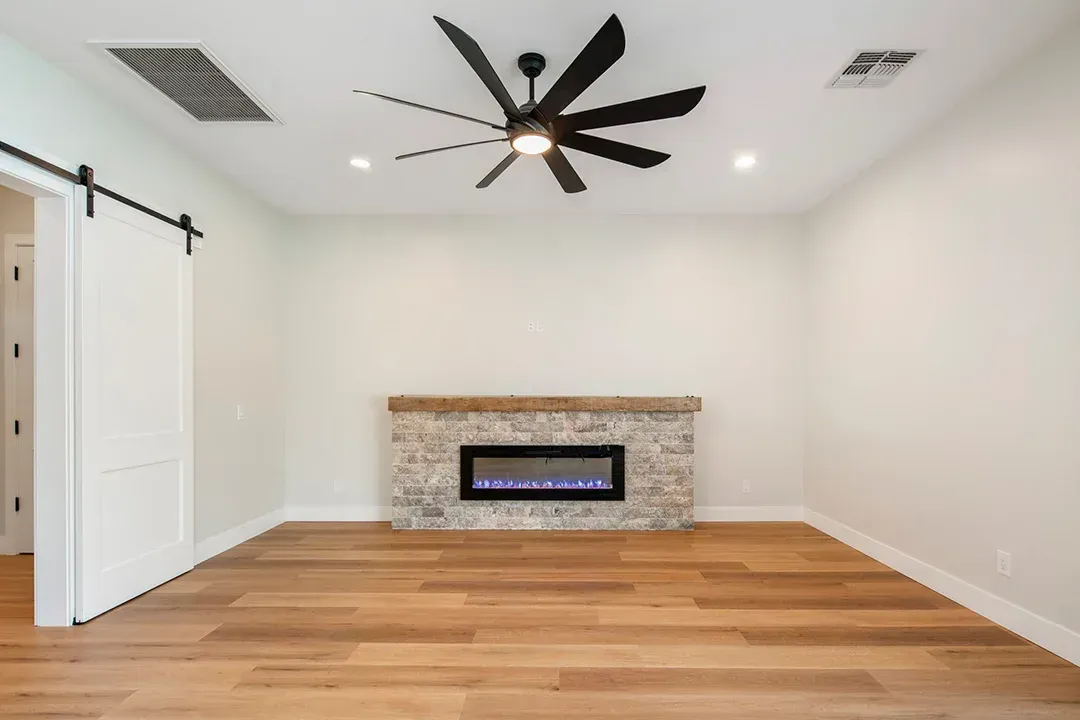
x=505, y=483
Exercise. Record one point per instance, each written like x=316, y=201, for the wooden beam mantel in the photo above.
x=540, y=403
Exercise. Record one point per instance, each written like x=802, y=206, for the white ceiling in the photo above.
x=766, y=64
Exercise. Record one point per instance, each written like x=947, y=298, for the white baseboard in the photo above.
x=740, y=513
x=337, y=513
x=6, y=545
x=1057, y=639
x=369, y=513
x=221, y=542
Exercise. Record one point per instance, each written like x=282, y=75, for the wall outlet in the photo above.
x=1004, y=563
x=239, y=412
x=532, y=326
x=746, y=487
x=536, y=326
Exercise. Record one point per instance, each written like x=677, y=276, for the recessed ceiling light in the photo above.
x=531, y=143
x=361, y=163
x=744, y=161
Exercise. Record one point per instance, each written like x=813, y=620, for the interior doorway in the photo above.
x=17, y=381
x=38, y=389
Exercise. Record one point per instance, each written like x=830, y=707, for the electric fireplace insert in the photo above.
x=543, y=472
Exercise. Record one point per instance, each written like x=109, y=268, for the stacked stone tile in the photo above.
x=659, y=470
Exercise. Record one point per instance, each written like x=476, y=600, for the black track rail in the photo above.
x=85, y=177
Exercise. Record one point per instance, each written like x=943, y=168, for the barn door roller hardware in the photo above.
x=85, y=177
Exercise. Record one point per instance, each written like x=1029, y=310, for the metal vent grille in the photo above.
x=873, y=68
x=193, y=79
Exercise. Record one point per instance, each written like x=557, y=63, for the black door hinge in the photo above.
x=16, y=503
x=16, y=349
x=16, y=273
x=16, y=427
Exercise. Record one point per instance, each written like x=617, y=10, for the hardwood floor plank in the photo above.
x=808, y=601
x=719, y=618
x=597, y=598
x=916, y=618
x=519, y=615
x=874, y=637
x=999, y=658
x=406, y=678
x=495, y=656
x=689, y=706
x=1049, y=684
x=351, y=600
x=529, y=588
x=345, y=633
x=31, y=703
x=610, y=635
x=697, y=680
x=290, y=704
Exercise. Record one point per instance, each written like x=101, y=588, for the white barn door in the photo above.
x=136, y=485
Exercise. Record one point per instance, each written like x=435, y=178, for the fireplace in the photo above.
x=543, y=472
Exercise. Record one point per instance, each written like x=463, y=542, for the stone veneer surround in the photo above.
x=659, y=469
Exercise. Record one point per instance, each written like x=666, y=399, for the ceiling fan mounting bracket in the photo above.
x=531, y=64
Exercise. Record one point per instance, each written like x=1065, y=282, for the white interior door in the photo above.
x=19, y=389
x=136, y=487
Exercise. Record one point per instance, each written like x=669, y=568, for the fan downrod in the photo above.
x=531, y=64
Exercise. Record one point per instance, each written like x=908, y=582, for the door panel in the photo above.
x=136, y=489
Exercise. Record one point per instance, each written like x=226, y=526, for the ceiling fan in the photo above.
x=539, y=128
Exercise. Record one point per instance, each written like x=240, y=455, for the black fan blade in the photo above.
x=480, y=65
x=612, y=150
x=603, y=50
x=490, y=177
x=563, y=171
x=399, y=101
x=448, y=147
x=657, y=107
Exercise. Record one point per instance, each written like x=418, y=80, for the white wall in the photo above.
x=16, y=218
x=944, y=417
x=238, y=466
x=629, y=306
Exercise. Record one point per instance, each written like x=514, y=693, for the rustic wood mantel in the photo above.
x=540, y=403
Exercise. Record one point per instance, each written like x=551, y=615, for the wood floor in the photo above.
x=356, y=621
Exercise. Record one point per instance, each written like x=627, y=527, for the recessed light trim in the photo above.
x=360, y=163
x=744, y=161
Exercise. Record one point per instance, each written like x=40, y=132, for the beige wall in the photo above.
x=944, y=415
x=16, y=218
x=705, y=306
x=16, y=212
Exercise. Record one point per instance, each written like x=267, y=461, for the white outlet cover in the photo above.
x=746, y=487
x=1004, y=563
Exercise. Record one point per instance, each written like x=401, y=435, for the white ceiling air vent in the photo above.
x=873, y=68
x=192, y=77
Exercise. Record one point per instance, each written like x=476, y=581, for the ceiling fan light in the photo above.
x=531, y=143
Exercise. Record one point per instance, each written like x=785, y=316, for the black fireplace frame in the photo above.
x=616, y=492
